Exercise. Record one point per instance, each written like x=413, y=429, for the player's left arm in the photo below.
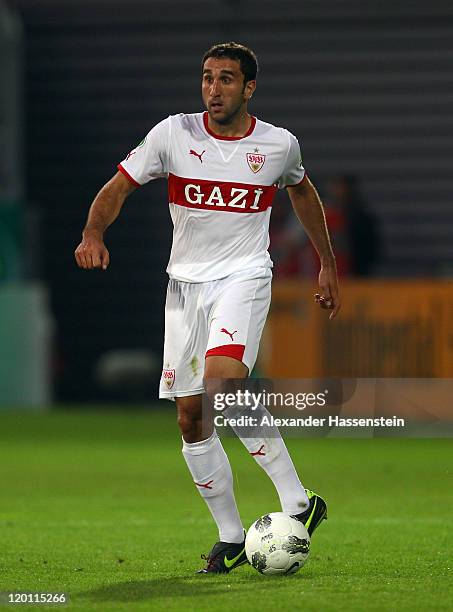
x=310, y=212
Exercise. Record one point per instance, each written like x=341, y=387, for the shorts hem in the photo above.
x=172, y=394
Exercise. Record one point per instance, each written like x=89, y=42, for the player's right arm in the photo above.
x=92, y=252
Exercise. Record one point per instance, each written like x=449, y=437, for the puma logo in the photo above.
x=206, y=485
x=199, y=155
x=225, y=331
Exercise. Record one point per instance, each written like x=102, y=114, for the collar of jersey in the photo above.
x=214, y=135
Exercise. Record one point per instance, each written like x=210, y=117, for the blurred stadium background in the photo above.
x=367, y=89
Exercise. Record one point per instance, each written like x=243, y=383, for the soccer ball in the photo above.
x=277, y=543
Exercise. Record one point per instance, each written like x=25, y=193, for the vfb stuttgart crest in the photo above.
x=169, y=378
x=255, y=161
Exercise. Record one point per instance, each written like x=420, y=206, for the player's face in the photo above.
x=223, y=89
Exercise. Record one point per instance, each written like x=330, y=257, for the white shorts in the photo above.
x=221, y=317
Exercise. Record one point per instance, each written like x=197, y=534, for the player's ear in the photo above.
x=249, y=89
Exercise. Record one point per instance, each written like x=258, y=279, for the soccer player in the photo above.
x=223, y=168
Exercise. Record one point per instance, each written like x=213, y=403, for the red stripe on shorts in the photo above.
x=236, y=351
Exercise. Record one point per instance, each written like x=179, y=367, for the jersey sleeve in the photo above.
x=294, y=171
x=150, y=158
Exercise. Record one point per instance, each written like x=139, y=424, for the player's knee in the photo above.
x=213, y=386
x=190, y=428
x=190, y=418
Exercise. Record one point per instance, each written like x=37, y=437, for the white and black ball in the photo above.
x=277, y=543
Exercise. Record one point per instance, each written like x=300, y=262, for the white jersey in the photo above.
x=220, y=191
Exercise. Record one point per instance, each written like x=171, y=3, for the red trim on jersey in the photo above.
x=211, y=133
x=127, y=175
x=224, y=196
x=236, y=351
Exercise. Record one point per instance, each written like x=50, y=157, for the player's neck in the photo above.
x=239, y=126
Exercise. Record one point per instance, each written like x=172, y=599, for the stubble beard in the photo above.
x=227, y=119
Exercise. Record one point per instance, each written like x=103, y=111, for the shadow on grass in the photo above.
x=158, y=588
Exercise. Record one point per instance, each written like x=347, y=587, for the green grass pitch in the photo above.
x=100, y=505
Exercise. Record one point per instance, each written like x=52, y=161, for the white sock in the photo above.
x=270, y=452
x=211, y=472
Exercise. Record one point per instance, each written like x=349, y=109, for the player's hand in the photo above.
x=329, y=298
x=92, y=254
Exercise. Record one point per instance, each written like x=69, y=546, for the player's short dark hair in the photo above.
x=232, y=50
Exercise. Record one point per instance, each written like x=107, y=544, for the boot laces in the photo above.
x=210, y=561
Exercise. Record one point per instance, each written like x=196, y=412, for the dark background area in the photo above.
x=366, y=87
